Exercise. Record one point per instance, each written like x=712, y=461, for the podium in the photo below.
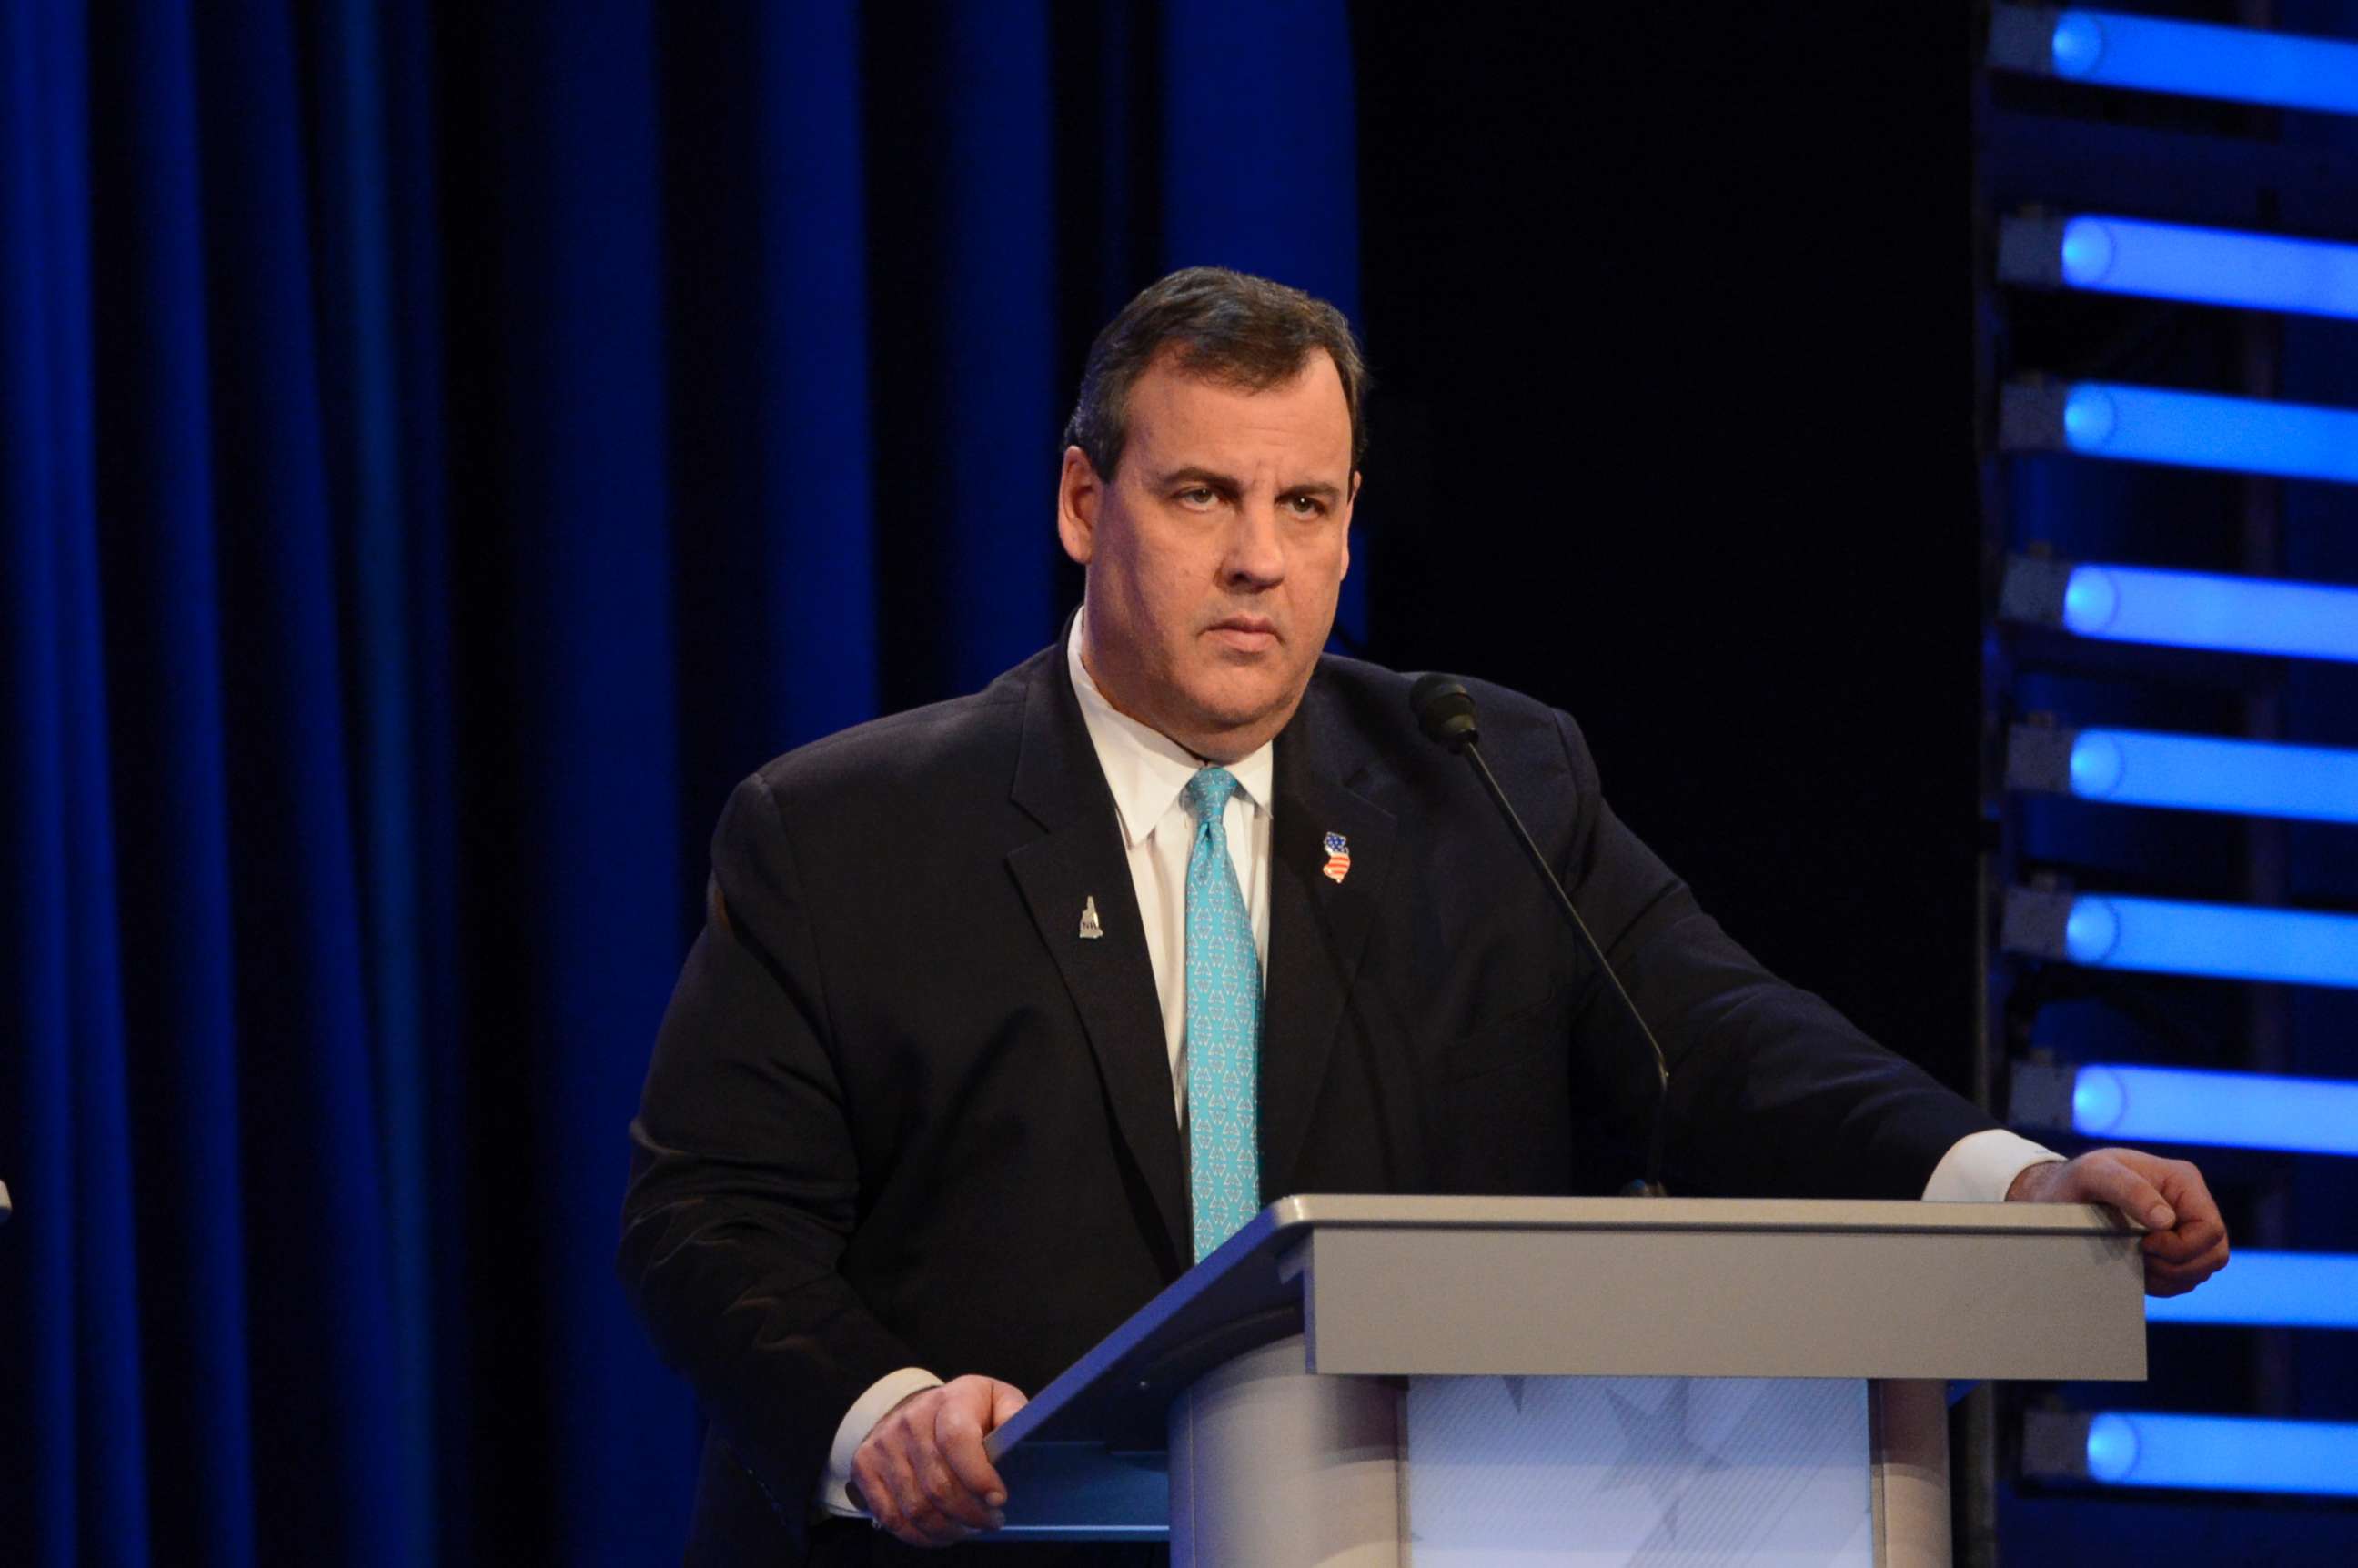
x=1371, y=1382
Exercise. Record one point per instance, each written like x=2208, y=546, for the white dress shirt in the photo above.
x=1148, y=772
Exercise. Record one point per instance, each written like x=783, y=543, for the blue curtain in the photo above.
x=441, y=446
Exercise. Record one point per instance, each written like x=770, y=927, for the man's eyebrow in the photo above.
x=1226, y=484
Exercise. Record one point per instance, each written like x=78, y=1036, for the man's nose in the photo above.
x=1256, y=557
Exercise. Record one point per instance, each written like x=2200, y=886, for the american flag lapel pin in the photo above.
x=1338, y=856
x=1090, y=929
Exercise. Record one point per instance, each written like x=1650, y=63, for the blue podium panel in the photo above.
x=1603, y=1472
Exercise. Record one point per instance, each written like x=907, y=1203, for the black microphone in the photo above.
x=1445, y=711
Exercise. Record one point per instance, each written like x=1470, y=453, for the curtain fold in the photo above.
x=155, y=528
x=997, y=369
x=589, y=809
x=75, y=1422
x=317, y=1275
x=441, y=449
x=361, y=391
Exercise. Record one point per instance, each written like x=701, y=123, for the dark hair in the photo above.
x=1224, y=326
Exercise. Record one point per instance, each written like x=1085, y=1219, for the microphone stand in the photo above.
x=1445, y=710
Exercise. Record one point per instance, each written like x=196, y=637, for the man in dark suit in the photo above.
x=1009, y=1009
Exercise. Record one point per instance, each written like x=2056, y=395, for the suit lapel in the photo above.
x=1317, y=925
x=1080, y=857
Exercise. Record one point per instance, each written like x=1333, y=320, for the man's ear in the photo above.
x=1078, y=491
x=1350, y=505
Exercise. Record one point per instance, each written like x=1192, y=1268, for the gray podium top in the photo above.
x=1622, y=1287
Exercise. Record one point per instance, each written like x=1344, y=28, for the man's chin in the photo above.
x=1257, y=716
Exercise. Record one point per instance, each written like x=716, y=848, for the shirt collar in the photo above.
x=1146, y=768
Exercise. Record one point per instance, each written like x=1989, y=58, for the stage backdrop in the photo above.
x=441, y=447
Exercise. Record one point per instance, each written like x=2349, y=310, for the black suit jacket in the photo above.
x=901, y=1113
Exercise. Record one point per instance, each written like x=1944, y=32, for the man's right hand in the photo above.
x=922, y=1471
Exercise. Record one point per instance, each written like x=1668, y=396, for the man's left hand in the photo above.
x=2186, y=1242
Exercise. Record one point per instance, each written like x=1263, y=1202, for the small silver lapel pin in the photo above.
x=1090, y=929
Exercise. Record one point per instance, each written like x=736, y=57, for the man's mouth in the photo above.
x=1245, y=634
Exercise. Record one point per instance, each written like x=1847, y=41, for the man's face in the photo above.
x=1216, y=553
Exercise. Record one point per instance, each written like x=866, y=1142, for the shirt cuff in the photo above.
x=1981, y=1166
x=858, y=1422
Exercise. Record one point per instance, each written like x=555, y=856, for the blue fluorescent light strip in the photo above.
x=2270, y=1289
x=2227, y=941
x=2241, y=65
x=2195, y=773
x=2218, y=1452
x=2203, y=610
x=2210, y=266
x=2239, y=1110
x=2203, y=430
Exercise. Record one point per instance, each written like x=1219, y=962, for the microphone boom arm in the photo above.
x=1445, y=710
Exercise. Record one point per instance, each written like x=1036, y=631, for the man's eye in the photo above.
x=1304, y=505
x=1196, y=495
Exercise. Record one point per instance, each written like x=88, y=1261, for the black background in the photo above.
x=1671, y=311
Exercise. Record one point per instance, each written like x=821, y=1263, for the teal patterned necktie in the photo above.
x=1223, y=1026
